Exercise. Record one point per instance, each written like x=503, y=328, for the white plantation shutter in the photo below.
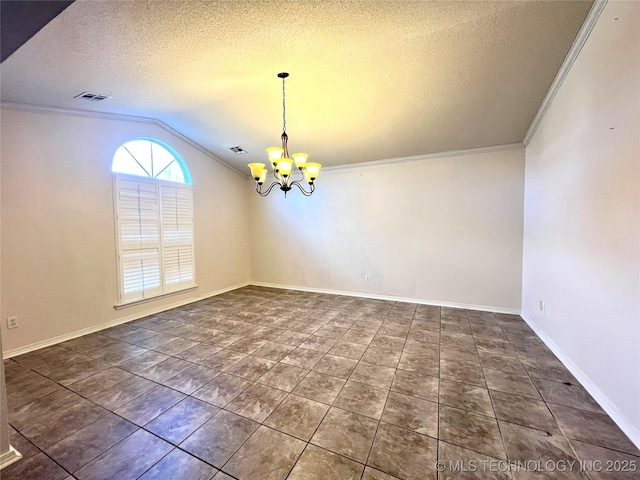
x=178, y=267
x=141, y=274
x=138, y=213
x=177, y=236
x=155, y=237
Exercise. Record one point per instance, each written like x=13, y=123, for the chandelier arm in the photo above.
x=301, y=175
x=306, y=194
x=279, y=178
x=265, y=193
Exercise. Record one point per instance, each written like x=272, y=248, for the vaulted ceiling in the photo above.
x=369, y=80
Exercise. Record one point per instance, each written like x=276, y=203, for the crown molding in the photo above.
x=154, y=121
x=427, y=156
x=121, y=117
x=574, y=51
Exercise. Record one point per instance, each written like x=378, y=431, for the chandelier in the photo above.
x=282, y=163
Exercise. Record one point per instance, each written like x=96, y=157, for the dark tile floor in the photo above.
x=270, y=384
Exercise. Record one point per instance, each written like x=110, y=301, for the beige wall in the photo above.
x=582, y=217
x=58, y=244
x=444, y=230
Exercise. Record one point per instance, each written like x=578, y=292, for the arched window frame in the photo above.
x=154, y=233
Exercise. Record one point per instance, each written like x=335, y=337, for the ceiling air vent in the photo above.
x=94, y=97
x=238, y=150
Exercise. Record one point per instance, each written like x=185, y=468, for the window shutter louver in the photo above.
x=155, y=236
x=177, y=228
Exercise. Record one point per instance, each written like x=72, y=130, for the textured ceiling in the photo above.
x=369, y=80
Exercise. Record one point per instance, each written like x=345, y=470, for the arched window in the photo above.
x=146, y=157
x=154, y=221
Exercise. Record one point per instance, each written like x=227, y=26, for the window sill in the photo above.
x=119, y=306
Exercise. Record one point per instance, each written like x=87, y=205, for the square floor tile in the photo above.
x=52, y=428
x=100, y=381
x=374, y=375
x=221, y=390
x=176, y=346
x=165, y=370
x=268, y=455
x=514, y=384
x=218, y=439
x=592, y=428
x=475, y=432
x=291, y=338
x=256, y=402
x=248, y=345
x=179, y=465
x=373, y=474
x=548, y=370
x=318, y=464
x=86, y=444
x=320, y=387
x=627, y=465
x=362, y=399
x=524, y=444
x=404, y=454
x=412, y=413
x=37, y=467
x=509, y=365
x=224, y=360
x=318, y=343
x=143, y=361
x=416, y=384
x=358, y=336
x=523, y=411
x=466, y=397
x=346, y=433
x=181, y=420
x=28, y=387
x=340, y=367
x=273, y=351
x=129, y=459
x=149, y=405
x=198, y=352
x=283, y=377
x=252, y=368
x=478, y=466
x=21, y=444
x=297, y=416
x=348, y=350
x=463, y=371
x=574, y=396
x=303, y=358
x=191, y=379
x=50, y=404
x=382, y=356
x=117, y=352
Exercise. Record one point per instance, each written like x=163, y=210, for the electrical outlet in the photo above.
x=542, y=307
x=367, y=278
x=12, y=322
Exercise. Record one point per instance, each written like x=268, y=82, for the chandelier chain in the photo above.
x=284, y=110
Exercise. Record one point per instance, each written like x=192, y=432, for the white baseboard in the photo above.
x=101, y=326
x=10, y=457
x=375, y=296
x=598, y=395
